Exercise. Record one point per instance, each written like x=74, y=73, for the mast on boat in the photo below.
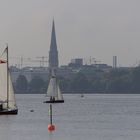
x=7, y=77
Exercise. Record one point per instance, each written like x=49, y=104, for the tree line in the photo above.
x=87, y=80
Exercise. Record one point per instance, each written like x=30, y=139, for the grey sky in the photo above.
x=84, y=28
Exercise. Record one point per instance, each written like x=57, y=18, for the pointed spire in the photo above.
x=53, y=54
x=53, y=38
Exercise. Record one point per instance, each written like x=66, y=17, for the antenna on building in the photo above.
x=20, y=61
x=42, y=61
x=114, y=61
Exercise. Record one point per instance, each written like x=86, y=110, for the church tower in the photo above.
x=53, y=53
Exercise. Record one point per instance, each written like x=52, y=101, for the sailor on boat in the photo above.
x=52, y=98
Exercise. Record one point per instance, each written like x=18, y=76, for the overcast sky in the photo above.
x=84, y=28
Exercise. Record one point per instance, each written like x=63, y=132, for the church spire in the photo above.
x=53, y=53
x=53, y=38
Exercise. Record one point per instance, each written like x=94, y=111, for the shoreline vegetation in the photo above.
x=113, y=81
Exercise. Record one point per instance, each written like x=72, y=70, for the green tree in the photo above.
x=64, y=84
x=80, y=83
x=135, y=84
x=98, y=86
x=36, y=85
x=118, y=81
x=21, y=84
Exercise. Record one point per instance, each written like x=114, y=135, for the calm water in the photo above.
x=93, y=117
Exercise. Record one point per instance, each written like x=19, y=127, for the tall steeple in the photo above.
x=53, y=53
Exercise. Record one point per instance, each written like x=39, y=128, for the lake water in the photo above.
x=93, y=117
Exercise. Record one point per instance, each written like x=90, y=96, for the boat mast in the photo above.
x=7, y=78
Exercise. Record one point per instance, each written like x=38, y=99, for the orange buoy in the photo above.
x=51, y=127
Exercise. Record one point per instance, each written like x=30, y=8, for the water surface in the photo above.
x=94, y=117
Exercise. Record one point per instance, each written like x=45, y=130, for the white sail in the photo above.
x=12, y=101
x=59, y=94
x=6, y=92
x=3, y=82
x=54, y=90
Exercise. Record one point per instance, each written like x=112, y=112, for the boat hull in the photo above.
x=9, y=112
x=56, y=101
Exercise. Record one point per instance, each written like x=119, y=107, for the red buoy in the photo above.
x=51, y=127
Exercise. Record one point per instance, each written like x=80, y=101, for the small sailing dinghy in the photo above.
x=7, y=97
x=54, y=92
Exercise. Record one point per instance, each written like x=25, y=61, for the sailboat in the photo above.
x=7, y=97
x=54, y=92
